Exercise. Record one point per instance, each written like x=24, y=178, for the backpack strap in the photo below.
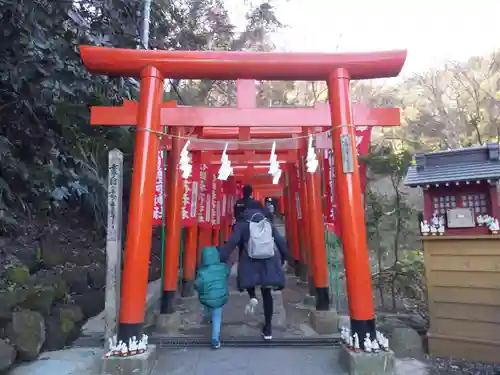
x=257, y=213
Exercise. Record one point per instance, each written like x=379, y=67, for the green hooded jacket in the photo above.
x=211, y=279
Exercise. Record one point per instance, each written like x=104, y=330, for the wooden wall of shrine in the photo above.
x=463, y=280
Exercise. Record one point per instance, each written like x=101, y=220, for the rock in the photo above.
x=40, y=299
x=10, y=297
x=97, y=276
x=52, y=256
x=58, y=333
x=8, y=261
x=6, y=303
x=416, y=322
x=68, y=312
x=30, y=257
x=18, y=275
x=7, y=355
x=91, y=303
x=62, y=326
x=387, y=324
x=54, y=279
x=27, y=332
x=406, y=343
x=87, y=258
x=76, y=279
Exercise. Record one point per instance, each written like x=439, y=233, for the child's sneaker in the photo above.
x=267, y=333
x=215, y=344
x=250, y=307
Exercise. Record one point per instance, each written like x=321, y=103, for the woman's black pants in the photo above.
x=267, y=301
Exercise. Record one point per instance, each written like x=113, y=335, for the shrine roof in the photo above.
x=465, y=164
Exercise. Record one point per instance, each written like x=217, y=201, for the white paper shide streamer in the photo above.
x=274, y=167
x=185, y=162
x=225, y=169
x=312, y=162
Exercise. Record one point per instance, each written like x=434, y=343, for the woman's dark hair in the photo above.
x=247, y=191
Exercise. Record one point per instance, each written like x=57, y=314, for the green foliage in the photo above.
x=50, y=157
x=390, y=160
x=410, y=281
x=390, y=217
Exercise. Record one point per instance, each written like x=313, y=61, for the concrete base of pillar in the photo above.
x=309, y=300
x=187, y=288
x=324, y=322
x=302, y=273
x=381, y=363
x=279, y=316
x=189, y=303
x=141, y=364
x=169, y=323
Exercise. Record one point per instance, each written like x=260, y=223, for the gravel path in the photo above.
x=444, y=366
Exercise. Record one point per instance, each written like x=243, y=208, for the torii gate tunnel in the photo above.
x=153, y=67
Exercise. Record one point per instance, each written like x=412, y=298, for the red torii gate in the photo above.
x=247, y=122
x=153, y=66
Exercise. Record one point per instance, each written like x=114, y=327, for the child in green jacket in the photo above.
x=212, y=286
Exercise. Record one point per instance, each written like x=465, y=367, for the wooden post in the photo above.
x=113, y=245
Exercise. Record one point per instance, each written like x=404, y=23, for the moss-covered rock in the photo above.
x=11, y=296
x=6, y=303
x=77, y=279
x=91, y=303
x=31, y=258
x=7, y=355
x=52, y=278
x=27, y=332
x=40, y=299
x=18, y=275
x=52, y=256
x=71, y=312
x=62, y=326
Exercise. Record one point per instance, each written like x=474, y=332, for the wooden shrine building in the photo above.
x=461, y=244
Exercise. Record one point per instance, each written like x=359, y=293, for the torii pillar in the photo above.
x=140, y=217
x=351, y=209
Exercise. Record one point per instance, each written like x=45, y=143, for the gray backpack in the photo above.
x=261, y=242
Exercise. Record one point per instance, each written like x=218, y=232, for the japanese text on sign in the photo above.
x=297, y=202
x=203, y=194
x=159, y=196
x=194, y=202
x=185, y=201
x=213, y=215
x=114, y=175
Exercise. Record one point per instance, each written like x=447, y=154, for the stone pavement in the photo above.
x=261, y=361
x=248, y=361
x=290, y=319
x=205, y=361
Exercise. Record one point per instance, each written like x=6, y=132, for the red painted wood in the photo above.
x=224, y=65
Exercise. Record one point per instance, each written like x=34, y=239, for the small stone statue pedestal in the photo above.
x=324, y=322
x=140, y=364
x=361, y=363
